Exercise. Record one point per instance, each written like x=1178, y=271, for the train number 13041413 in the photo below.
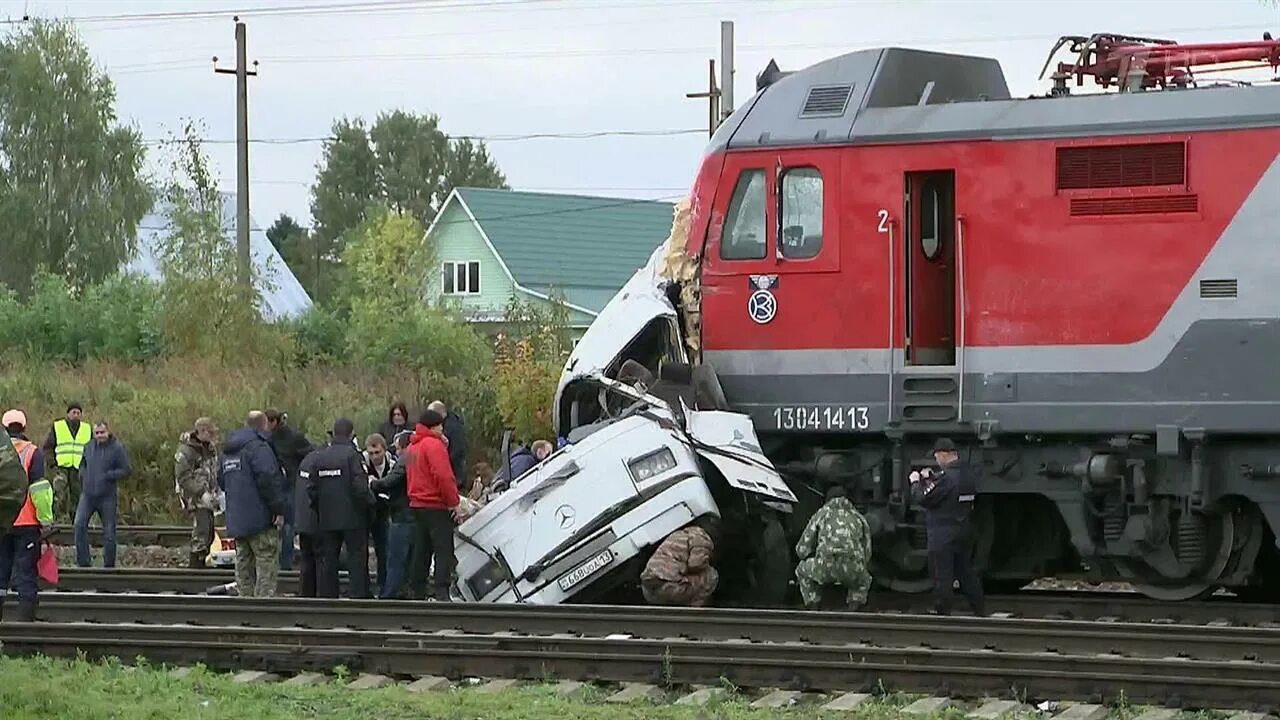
x=821, y=417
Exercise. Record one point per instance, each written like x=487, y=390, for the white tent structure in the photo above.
x=283, y=299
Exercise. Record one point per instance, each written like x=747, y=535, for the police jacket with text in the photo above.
x=334, y=489
x=250, y=476
x=947, y=503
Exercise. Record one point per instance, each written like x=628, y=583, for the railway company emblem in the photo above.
x=565, y=515
x=762, y=306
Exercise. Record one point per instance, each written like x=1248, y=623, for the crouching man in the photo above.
x=835, y=549
x=680, y=570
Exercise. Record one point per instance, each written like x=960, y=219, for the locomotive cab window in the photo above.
x=801, y=236
x=744, y=225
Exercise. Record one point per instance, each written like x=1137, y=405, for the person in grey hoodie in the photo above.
x=104, y=464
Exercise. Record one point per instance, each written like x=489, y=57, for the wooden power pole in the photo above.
x=242, y=73
x=719, y=95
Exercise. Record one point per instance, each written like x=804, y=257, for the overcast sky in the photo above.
x=510, y=67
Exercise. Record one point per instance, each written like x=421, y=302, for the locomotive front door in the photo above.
x=930, y=268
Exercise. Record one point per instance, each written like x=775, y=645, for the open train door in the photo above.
x=931, y=268
x=929, y=384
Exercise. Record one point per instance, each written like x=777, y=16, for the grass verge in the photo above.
x=42, y=688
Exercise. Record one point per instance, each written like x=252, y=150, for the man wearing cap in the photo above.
x=434, y=502
x=290, y=447
x=250, y=476
x=947, y=497
x=20, y=547
x=334, y=490
x=63, y=448
x=195, y=478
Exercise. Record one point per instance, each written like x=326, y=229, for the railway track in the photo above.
x=777, y=626
x=910, y=654
x=1074, y=605
x=163, y=535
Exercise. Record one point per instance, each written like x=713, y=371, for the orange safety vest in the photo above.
x=26, y=452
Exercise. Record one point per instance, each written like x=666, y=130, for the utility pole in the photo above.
x=719, y=95
x=242, y=73
x=712, y=95
x=726, y=69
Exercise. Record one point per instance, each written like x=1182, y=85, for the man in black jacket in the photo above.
x=394, y=488
x=947, y=498
x=290, y=447
x=378, y=461
x=456, y=436
x=336, y=488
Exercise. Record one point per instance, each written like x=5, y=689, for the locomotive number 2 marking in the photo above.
x=821, y=417
x=884, y=220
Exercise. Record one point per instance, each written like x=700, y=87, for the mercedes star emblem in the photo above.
x=565, y=515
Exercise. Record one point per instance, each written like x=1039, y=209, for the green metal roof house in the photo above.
x=493, y=244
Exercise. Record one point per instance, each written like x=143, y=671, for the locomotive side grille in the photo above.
x=826, y=100
x=1214, y=289
x=1148, y=205
x=1113, y=166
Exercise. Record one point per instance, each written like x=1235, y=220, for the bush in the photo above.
x=116, y=319
x=149, y=407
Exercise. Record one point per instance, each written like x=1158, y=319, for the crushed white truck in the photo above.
x=643, y=459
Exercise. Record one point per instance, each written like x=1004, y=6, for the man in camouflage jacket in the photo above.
x=196, y=482
x=835, y=549
x=680, y=571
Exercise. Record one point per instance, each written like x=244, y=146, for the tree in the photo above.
x=346, y=183
x=71, y=186
x=284, y=233
x=404, y=163
x=314, y=266
x=388, y=260
x=528, y=357
x=205, y=306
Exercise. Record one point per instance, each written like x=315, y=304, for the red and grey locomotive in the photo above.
x=1077, y=288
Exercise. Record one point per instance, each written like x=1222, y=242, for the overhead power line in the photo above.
x=474, y=138
x=516, y=216
x=313, y=9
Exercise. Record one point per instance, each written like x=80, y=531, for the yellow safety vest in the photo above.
x=69, y=449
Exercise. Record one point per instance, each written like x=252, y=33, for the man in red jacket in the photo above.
x=433, y=500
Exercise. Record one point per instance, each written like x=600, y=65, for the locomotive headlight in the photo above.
x=651, y=465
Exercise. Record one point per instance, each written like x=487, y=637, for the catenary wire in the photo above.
x=515, y=216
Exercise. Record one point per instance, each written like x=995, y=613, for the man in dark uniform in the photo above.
x=306, y=523
x=947, y=498
x=336, y=488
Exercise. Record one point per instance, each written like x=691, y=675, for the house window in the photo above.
x=461, y=278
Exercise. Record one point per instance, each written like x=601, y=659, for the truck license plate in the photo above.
x=586, y=569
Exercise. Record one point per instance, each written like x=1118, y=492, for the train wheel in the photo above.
x=901, y=565
x=1209, y=549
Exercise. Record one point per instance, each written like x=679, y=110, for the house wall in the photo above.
x=456, y=239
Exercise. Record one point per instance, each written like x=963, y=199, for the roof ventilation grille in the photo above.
x=826, y=101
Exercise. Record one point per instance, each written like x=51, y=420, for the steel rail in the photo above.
x=825, y=666
x=164, y=535
x=958, y=633
x=1034, y=603
x=157, y=580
